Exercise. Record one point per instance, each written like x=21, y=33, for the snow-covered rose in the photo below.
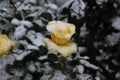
x=5, y=44
x=61, y=32
x=65, y=50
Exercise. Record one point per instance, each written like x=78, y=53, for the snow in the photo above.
x=36, y=38
x=32, y=47
x=30, y=1
x=17, y=73
x=77, y=9
x=99, y=2
x=20, y=56
x=79, y=69
x=117, y=75
x=113, y=39
x=24, y=7
x=15, y=21
x=20, y=32
x=83, y=31
x=28, y=77
x=58, y=76
x=27, y=45
x=116, y=23
x=52, y=6
x=4, y=60
x=81, y=49
x=26, y=23
x=31, y=67
x=3, y=4
x=22, y=23
x=66, y=5
x=23, y=42
x=84, y=77
x=39, y=22
x=43, y=57
x=87, y=64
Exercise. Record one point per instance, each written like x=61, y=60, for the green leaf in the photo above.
x=52, y=57
x=46, y=16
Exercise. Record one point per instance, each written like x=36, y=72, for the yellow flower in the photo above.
x=5, y=44
x=65, y=50
x=61, y=33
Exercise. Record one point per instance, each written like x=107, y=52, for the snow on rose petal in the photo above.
x=61, y=33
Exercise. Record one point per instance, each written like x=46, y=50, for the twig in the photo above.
x=11, y=2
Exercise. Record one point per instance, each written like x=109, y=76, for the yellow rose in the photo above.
x=61, y=33
x=5, y=44
x=65, y=50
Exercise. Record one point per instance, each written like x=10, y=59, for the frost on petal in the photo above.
x=51, y=45
x=68, y=49
x=65, y=50
x=61, y=32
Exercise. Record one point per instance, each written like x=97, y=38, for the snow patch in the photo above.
x=79, y=69
x=30, y=1
x=116, y=23
x=87, y=64
x=113, y=39
x=22, y=22
x=32, y=47
x=21, y=55
x=20, y=32
x=36, y=38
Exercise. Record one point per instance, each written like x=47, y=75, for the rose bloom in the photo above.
x=61, y=34
x=5, y=44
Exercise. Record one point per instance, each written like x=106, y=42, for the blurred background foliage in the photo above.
x=97, y=37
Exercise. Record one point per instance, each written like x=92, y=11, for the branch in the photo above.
x=11, y=2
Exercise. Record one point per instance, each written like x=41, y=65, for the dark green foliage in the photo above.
x=98, y=22
x=95, y=16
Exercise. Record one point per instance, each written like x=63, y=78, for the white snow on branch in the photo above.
x=116, y=23
x=32, y=47
x=20, y=32
x=58, y=76
x=21, y=55
x=22, y=22
x=113, y=39
x=79, y=69
x=51, y=6
x=30, y=1
x=36, y=38
x=77, y=8
x=87, y=64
